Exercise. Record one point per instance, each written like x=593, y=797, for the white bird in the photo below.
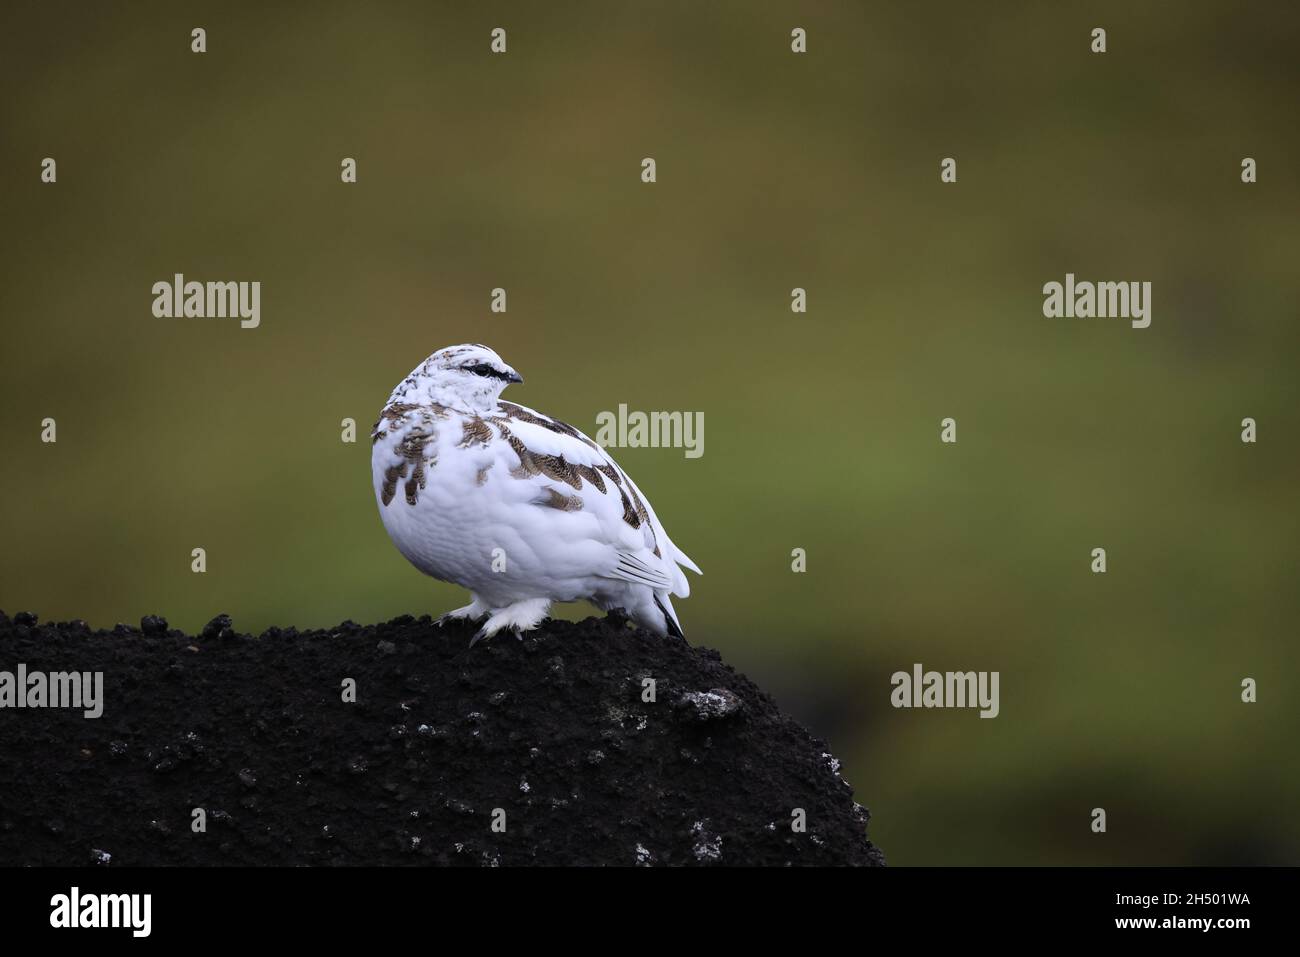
x=519, y=508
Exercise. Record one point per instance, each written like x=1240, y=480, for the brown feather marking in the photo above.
x=554, y=425
x=391, y=475
x=413, y=447
x=555, y=467
x=474, y=432
x=558, y=500
x=629, y=513
x=640, y=506
x=632, y=514
x=526, y=468
x=395, y=414
x=559, y=469
x=535, y=463
x=592, y=476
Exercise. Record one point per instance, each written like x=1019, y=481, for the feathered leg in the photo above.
x=520, y=617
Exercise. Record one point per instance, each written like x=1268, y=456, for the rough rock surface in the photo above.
x=550, y=735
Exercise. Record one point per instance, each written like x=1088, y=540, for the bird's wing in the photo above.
x=578, y=479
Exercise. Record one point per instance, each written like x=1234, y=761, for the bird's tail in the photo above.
x=670, y=616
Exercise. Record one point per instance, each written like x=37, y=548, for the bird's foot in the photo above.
x=520, y=617
x=471, y=612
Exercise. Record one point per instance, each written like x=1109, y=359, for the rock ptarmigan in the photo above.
x=521, y=509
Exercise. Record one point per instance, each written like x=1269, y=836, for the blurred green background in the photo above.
x=821, y=430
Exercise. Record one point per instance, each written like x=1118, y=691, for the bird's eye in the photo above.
x=482, y=369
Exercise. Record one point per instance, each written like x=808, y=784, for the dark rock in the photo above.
x=586, y=772
x=153, y=625
x=712, y=705
x=219, y=627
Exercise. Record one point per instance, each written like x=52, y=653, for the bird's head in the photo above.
x=469, y=376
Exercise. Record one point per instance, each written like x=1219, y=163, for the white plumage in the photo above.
x=521, y=509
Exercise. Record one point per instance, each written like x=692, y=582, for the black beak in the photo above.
x=514, y=377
